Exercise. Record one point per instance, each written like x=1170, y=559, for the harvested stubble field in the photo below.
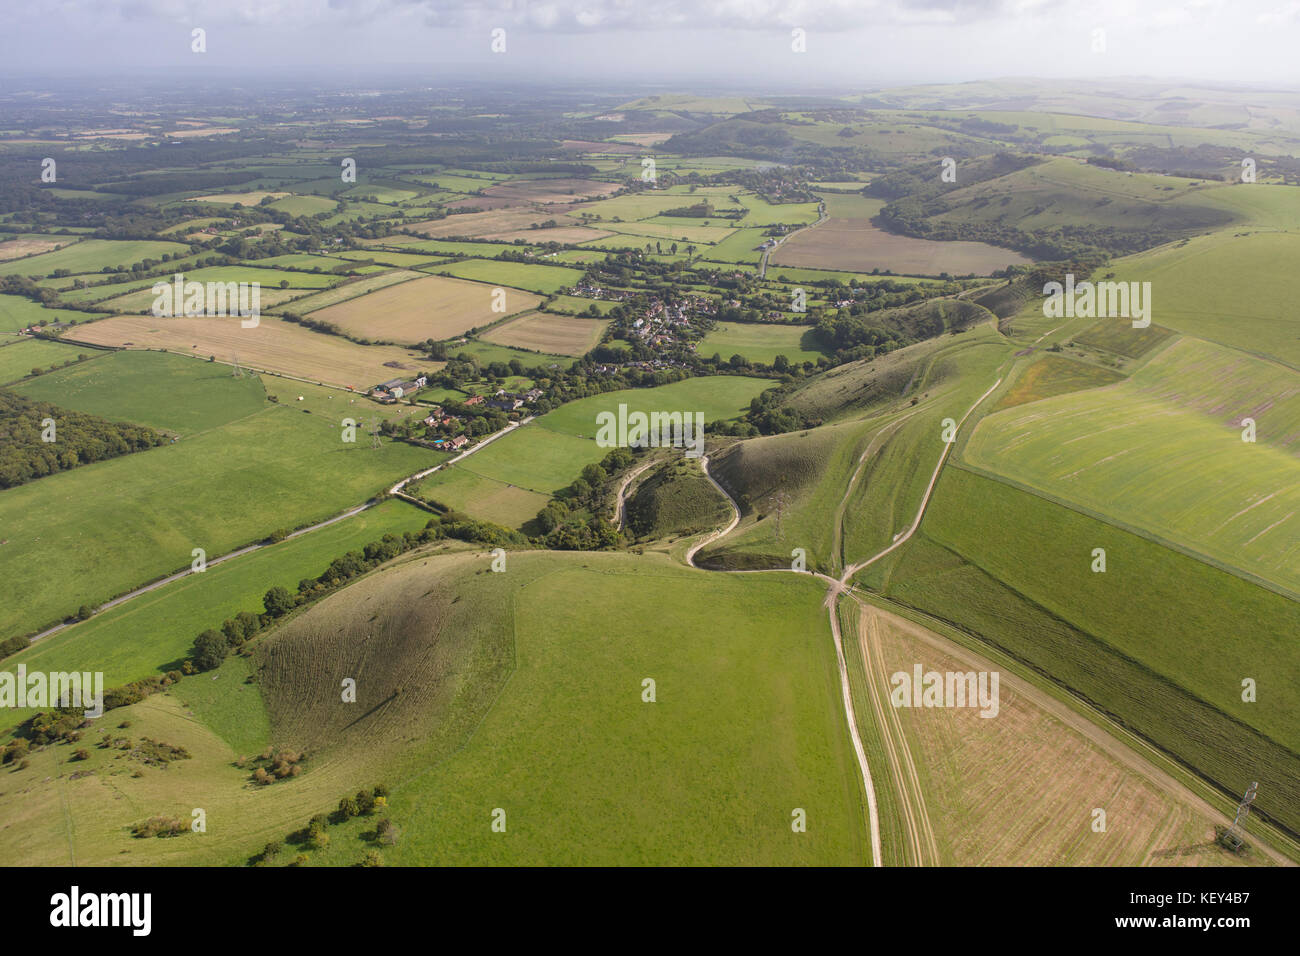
x=435, y=307
x=509, y=218
x=556, y=334
x=243, y=199
x=273, y=346
x=17, y=248
x=1019, y=788
x=856, y=245
x=568, y=235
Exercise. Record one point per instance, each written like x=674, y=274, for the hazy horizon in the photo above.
x=865, y=44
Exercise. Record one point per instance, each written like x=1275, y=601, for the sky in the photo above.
x=858, y=44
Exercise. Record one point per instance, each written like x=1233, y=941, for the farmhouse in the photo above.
x=396, y=388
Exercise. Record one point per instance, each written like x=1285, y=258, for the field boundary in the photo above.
x=1280, y=589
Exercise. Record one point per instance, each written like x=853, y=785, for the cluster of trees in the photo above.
x=160, y=827
x=571, y=521
x=80, y=438
x=844, y=332
x=315, y=835
x=278, y=765
x=700, y=210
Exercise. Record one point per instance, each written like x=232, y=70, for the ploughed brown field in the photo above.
x=552, y=190
x=856, y=245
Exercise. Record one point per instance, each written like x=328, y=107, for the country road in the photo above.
x=762, y=265
x=920, y=831
x=622, y=492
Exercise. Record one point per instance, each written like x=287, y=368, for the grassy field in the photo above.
x=762, y=343
x=645, y=205
x=554, y=334
x=547, y=454
x=878, y=434
x=1050, y=376
x=1163, y=452
x=404, y=260
x=804, y=473
x=1233, y=290
x=740, y=246
x=487, y=352
x=668, y=230
x=519, y=275
x=242, y=199
x=763, y=213
x=430, y=308
x=18, y=359
x=273, y=346
x=1067, y=192
x=150, y=633
x=86, y=535
x=17, y=312
x=576, y=305
x=730, y=801
x=306, y=260
x=162, y=391
x=1119, y=336
x=304, y=205
x=1161, y=641
x=445, y=734
x=462, y=488
x=92, y=255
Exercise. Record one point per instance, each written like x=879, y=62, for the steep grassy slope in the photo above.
x=475, y=690
x=1163, y=452
x=892, y=453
